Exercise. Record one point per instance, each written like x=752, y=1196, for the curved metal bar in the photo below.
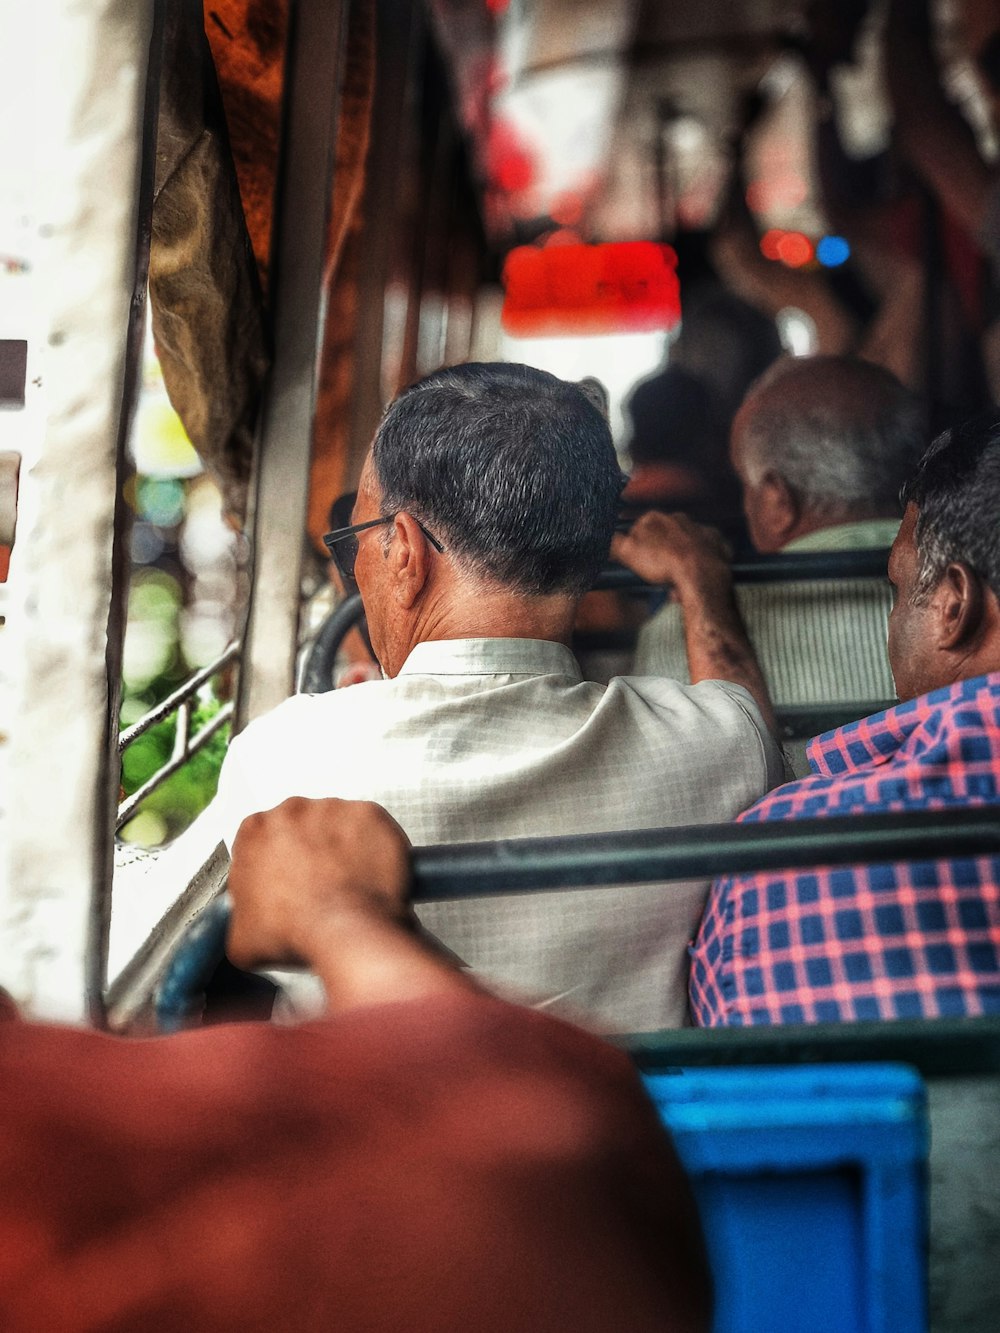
x=190, y=969
x=317, y=670
x=529, y=865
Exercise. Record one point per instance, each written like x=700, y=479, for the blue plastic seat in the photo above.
x=811, y=1186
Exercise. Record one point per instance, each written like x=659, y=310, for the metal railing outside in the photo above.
x=186, y=746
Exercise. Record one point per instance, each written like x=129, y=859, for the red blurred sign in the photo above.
x=628, y=287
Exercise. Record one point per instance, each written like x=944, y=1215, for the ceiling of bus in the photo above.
x=614, y=117
x=608, y=115
x=617, y=117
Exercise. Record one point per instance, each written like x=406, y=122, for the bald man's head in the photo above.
x=843, y=434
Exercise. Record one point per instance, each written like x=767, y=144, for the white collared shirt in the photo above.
x=502, y=738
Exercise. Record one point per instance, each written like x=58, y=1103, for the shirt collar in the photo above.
x=880, y=738
x=869, y=535
x=491, y=657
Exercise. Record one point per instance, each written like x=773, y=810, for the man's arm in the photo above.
x=325, y=884
x=671, y=548
x=462, y=1139
x=931, y=130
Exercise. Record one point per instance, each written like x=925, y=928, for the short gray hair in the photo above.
x=511, y=467
x=844, y=434
x=956, y=491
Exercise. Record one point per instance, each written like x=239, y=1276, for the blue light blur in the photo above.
x=832, y=251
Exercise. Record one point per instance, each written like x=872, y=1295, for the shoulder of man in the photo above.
x=305, y=710
x=723, y=709
x=259, y=759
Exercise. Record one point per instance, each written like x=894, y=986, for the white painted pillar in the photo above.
x=74, y=80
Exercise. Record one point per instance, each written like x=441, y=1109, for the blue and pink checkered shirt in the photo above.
x=885, y=941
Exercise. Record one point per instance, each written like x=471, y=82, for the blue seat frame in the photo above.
x=811, y=1187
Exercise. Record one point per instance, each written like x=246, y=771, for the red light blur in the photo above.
x=794, y=249
x=564, y=236
x=568, y=289
x=787, y=247
x=509, y=164
x=769, y=243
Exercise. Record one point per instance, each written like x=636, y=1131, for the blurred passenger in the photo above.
x=940, y=144
x=890, y=941
x=678, y=430
x=822, y=446
x=910, y=296
x=484, y=511
x=429, y=1159
x=682, y=414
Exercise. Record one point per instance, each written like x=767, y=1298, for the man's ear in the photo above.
x=779, y=510
x=960, y=606
x=409, y=560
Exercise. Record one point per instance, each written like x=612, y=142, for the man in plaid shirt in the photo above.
x=906, y=940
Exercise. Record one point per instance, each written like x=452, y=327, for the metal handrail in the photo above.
x=802, y=567
x=186, y=746
x=785, y=567
x=532, y=865
x=700, y=851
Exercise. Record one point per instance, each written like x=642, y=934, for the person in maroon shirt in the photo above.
x=427, y=1157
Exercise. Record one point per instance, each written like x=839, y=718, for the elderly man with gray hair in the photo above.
x=484, y=510
x=822, y=446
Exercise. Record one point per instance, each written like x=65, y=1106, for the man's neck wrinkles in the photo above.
x=495, y=614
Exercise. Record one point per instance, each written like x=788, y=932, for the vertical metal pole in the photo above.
x=313, y=75
x=84, y=105
x=396, y=23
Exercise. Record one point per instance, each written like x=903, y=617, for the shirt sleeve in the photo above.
x=775, y=764
x=497, y=1169
x=710, y=978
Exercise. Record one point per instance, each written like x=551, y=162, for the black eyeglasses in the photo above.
x=342, y=543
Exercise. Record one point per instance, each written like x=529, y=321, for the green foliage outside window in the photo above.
x=169, y=809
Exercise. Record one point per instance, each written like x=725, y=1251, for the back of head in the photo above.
x=676, y=419
x=511, y=467
x=956, y=491
x=844, y=434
